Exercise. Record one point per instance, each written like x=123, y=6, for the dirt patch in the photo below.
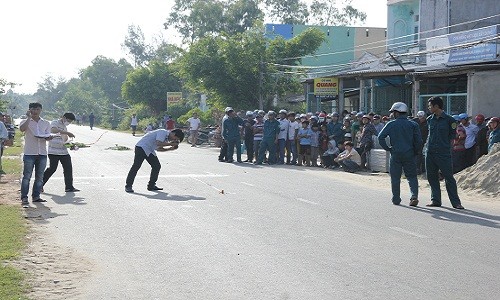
x=52, y=271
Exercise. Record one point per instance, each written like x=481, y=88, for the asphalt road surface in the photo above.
x=238, y=231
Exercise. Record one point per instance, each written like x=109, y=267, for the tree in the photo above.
x=50, y=91
x=107, y=75
x=233, y=71
x=83, y=97
x=149, y=85
x=195, y=19
x=327, y=13
x=288, y=11
x=136, y=45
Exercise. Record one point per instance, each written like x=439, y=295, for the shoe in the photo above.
x=41, y=191
x=413, y=202
x=39, y=200
x=257, y=163
x=25, y=203
x=154, y=188
x=221, y=160
x=229, y=161
x=246, y=160
x=193, y=145
x=129, y=189
x=458, y=206
x=240, y=161
x=71, y=190
x=433, y=204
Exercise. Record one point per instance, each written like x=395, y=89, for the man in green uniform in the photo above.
x=270, y=139
x=442, y=129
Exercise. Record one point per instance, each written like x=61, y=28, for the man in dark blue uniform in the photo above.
x=442, y=130
x=232, y=135
x=405, y=140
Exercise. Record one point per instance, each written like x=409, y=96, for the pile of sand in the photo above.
x=483, y=177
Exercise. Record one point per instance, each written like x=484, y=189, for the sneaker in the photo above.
x=154, y=188
x=129, y=189
x=413, y=202
x=71, y=190
x=25, y=203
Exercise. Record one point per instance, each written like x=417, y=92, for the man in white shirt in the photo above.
x=471, y=131
x=133, y=124
x=291, y=145
x=194, y=126
x=145, y=150
x=36, y=134
x=283, y=135
x=59, y=153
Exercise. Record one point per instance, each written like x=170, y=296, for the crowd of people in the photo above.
x=333, y=140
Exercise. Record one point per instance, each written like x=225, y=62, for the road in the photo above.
x=238, y=231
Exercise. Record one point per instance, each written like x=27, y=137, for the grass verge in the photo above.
x=12, y=233
x=17, y=147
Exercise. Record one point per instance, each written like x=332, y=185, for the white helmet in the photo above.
x=228, y=109
x=399, y=107
x=249, y=113
x=283, y=111
x=420, y=114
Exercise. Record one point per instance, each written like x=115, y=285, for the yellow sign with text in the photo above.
x=326, y=86
x=173, y=97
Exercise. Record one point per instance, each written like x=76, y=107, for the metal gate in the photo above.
x=454, y=104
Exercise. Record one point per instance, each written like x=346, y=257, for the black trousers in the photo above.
x=223, y=151
x=67, y=169
x=139, y=158
x=249, y=147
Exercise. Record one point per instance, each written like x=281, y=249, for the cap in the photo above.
x=480, y=117
x=271, y=113
x=494, y=120
x=456, y=117
x=376, y=117
x=282, y=111
x=367, y=117
x=322, y=115
x=228, y=109
x=335, y=114
x=360, y=114
x=249, y=113
x=347, y=135
x=463, y=116
x=420, y=114
x=399, y=107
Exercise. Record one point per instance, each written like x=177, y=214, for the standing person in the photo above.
x=59, y=153
x=442, y=130
x=334, y=129
x=494, y=132
x=291, y=145
x=248, y=135
x=223, y=148
x=232, y=136
x=366, y=141
x=133, y=123
x=471, y=131
x=170, y=123
x=481, y=137
x=421, y=120
x=271, y=131
x=36, y=134
x=91, y=120
x=304, y=136
x=258, y=134
x=377, y=123
x=283, y=135
x=405, y=144
x=194, y=125
x=4, y=135
x=315, y=143
x=146, y=149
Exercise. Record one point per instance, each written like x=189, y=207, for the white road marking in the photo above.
x=306, y=201
x=215, y=188
x=246, y=183
x=409, y=232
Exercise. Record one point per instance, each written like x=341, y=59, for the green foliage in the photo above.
x=149, y=85
x=11, y=286
x=195, y=19
x=229, y=69
x=288, y=11
x=327, y=13
x=107, y=75
x=136, y=45
x=142, y=112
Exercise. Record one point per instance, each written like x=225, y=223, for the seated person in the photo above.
x=330, y=154
x=349, y=159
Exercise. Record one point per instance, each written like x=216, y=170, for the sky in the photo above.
x=60, y=37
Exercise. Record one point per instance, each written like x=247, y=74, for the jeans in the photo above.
x=67, y=169
x=281, y=149
x=139, y=158
x=291, y=149
x=403, y=162
x=441, y=161
x=39, y=162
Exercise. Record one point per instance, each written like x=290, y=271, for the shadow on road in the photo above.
x=41, y=213
x=461, y=216
x=68, y=198
x=168, y=197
